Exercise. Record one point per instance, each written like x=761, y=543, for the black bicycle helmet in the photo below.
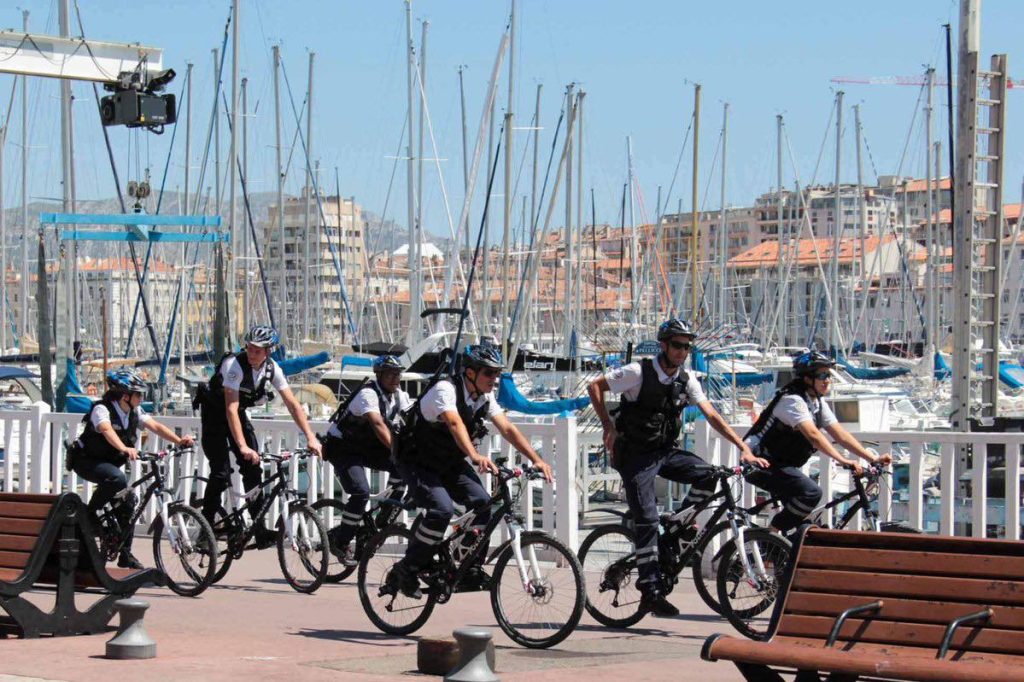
x=675, y=327
x=262, y=335
x=482, y=355
x=127, y=381
x=384, y=363
x=806, y=363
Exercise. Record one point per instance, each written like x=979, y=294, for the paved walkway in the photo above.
x=254, y=627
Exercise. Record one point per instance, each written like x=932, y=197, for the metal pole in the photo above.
x=3, y=248
x=485, y=280
x=633, y=245
x=182, y=328
x=465, y=153
x=862, y=211
x=507, y=226
x=66, y=165
x=282, y=293
x=413, y=334
x=232, y=283
x=780, y=232
x=415, y=249
x=25, y=234
x=837, y=226
x=307, y=195
x=577, y=301
x=244, y=254
x=567, y=310
x=216, y=132
x=694, y=243
x=723, y=232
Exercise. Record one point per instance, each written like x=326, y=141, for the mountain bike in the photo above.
x=183, y=543
x=302, y=546
x=608, y=555
x=536, y=584
x=385, y=508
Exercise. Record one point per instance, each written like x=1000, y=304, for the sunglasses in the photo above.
x=489, y=372
x=681, y=345
x=823, y=376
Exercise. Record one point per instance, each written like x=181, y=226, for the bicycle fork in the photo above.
x=756, y=574
x=529, y=582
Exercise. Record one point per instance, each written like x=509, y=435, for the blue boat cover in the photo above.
x=942, y=368
x=871, y=373
x=1011, y=374
x=510, y=398
x=355, y=361
x=16, y=373
x=293, y=366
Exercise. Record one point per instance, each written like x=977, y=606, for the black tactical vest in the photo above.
x=780, y=443
x=357, y=434
x=654, y=419
x=95, y=445
x=435, y=447
x=249, y=392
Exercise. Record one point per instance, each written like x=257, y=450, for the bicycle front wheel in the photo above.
x=747, y=597
x=385, y=605
x=704, y=565
x=538, y=603
x=608, y=558
x=329, y=510
x=185, y=550
x=302, y=553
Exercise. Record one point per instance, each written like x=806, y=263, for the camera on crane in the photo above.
x=136, y=102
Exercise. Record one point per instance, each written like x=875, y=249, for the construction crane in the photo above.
x=1011, y=83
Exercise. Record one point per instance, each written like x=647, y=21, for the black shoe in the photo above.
x=128, y=560
x=655, y=604
x=265, y=538
x=346, y=555
x=403, y=579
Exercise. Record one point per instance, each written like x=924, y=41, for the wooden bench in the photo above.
x=891, y=606
x=48, y=542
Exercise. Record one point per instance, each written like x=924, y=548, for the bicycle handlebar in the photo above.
x=286, y=455
x=169, y=451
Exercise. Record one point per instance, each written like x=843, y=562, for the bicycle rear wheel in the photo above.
x=329, y=510
x=385, y=605
x=746, y=599
x=608, y=559
x=190, y=560
x=223, y=532
x=547, y=608
x=303, y=556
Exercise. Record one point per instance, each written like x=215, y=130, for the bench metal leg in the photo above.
x=843, y=677
x=807, y=676
x=31, y=620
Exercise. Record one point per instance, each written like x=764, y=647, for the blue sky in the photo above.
x=636, y=61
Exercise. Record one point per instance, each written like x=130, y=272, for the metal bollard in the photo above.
x=131, y=641
x=476, y=657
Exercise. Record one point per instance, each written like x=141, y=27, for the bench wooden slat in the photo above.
x=967, y=590
x=15, y=526
x=21, y=543
x=912, y=610
x=10, y=574
x=14, y=559
x=28, y=497
x=25, y=510
x=924, y=563
x=870, y=659
x=915, y=542
x=905, y=634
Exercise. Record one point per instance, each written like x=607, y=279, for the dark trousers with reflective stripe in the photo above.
x=217, y=444
x=639, y=472
x=799, y=494
x=350, y=468
x=435, y=494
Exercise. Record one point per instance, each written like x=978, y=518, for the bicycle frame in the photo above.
x=156, y=488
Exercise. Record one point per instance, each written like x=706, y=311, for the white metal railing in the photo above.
x=33, y=462
x=998, y=513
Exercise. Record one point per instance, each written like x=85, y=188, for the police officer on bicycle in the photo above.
x=789, y=431
x=448, y=426
x=642, y=443
x=360, y=438
x=240, y=382
x=108, y=443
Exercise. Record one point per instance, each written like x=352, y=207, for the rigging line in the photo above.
x=821, y=150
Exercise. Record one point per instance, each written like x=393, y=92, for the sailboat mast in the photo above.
x=243, y=259
x=421, y=98
x=567, y=309
x=723, y=231
x=538, y=249
x=837, y=226
x=310, y=183
x=413, y=333
x=465, y=153
x=694, y=244
x=930, y=280
x=283, y=284
x=25, y=234
x=781, y=277
x=578, y=301
x=509, y=151
x=183, y=326
x=232, y=283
